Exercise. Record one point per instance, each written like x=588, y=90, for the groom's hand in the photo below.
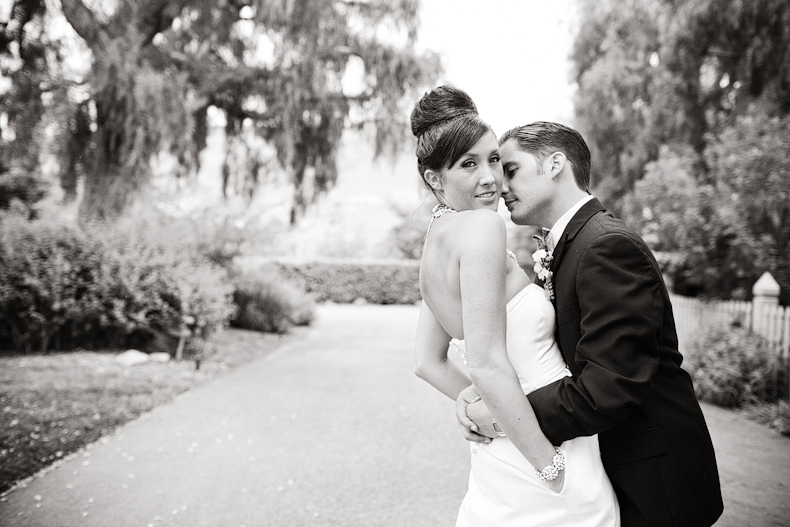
x=473, y=417
x=478, y=413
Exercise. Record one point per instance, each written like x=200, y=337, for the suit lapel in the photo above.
x=588, y=210
x=559, y=250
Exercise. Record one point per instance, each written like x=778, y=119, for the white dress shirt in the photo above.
x=562, y=223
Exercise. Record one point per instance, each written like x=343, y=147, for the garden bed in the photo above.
x=54, y=404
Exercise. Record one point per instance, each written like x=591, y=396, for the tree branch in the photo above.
x=158, y=17
x=84, y=22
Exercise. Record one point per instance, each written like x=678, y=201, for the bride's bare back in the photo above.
x=440, y=280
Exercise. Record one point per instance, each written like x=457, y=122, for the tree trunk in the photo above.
x=127, y=133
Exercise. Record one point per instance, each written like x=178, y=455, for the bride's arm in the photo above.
x=482, y=274
x=430, y=357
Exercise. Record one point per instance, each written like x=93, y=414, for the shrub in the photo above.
x=166, y=282
x=776, y=415
x=48, y=281
x=751, y=157
x=346, y=281
x=65, y=287
x=265, y=302
x=733, y=367
x=697, y=225
x=20, y=184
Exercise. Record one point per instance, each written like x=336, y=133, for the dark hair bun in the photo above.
x=438, y=106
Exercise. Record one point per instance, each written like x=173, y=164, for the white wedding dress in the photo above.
x=504, y=490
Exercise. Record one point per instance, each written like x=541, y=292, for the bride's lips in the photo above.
x=487, y=196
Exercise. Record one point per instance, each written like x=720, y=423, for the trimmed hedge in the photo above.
x=347, y=281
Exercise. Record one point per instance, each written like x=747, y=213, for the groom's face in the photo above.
x=526, y=189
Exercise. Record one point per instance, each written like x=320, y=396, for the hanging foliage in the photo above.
x=653, y=72
x=685, y=104
x=157, y=66
x=25, y=69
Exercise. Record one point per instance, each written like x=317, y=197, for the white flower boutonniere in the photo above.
x=543, y=257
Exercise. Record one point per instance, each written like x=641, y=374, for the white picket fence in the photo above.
x=770, y=321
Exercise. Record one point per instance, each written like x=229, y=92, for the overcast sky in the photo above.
x=511, y=56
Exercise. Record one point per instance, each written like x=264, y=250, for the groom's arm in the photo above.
x=619, y=295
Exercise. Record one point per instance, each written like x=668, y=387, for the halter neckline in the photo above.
x=440, y=209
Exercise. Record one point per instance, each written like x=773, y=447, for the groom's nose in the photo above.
x=505, y=188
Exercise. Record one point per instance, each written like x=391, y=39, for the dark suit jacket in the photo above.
x=616, y=331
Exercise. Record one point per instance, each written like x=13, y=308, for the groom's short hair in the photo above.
x=542, y=138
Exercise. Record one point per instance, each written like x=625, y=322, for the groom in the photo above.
x=616, y=330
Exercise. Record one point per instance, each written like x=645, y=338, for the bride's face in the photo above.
x=475, y=180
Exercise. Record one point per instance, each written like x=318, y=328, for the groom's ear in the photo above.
x=434, y=179
x=556, y=163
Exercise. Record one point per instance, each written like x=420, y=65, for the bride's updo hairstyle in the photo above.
x=446, y=124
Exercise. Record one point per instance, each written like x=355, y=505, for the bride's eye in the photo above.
x=494, y=159
x=468, y=164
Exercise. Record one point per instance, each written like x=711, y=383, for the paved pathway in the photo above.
x=330, y=430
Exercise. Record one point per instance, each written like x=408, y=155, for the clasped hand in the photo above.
x=477, y=424
x=473, y=416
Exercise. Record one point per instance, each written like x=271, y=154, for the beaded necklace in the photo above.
x=438, y=211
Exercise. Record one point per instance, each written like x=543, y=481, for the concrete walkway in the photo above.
x=330, y=430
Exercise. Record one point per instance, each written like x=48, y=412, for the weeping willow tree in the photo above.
x=664, y=72
x=24, y=76
x=157, y=66
x=686, y=107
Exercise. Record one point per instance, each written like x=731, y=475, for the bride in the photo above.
x=476, y=295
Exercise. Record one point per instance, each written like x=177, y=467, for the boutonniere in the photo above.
x=543, y=257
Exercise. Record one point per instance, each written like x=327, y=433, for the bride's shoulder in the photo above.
x=480, y=228
x=481, y=219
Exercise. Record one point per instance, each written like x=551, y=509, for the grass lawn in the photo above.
x=56, y=403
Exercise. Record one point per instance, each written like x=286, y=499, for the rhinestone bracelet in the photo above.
x=551, y=472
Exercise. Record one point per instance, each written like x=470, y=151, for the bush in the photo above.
x=733, y=367
x=346, y=281
x=166, y=281
x=776, y=415
x=699, y=229
x=48, y=280
x=65, y=287
x=21, y=185
x=265, y=302
x=751, y=157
